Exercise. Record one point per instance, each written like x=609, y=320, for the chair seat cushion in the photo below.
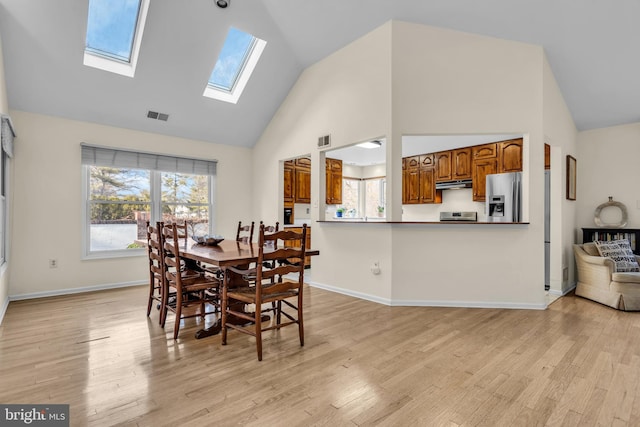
x=627, y=277
x=621, y=254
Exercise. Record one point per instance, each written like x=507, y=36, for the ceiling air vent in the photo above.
x=324, y=141
x=157, y=116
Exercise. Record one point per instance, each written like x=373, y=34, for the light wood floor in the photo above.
x=575, y=364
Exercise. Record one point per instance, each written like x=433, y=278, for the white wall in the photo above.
x=4, y=271
x=47, y=202
x=607, y=165
x=411, y=79
x=448, y=82
x=561, y=134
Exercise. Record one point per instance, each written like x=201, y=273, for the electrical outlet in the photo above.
x=375, y=267
x=53, y=263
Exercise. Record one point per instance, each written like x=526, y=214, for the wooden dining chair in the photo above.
x=181, y=227
x=270, y=228
x=191, y=287
x=262, y=290
x=156, y=268
x=245, y=233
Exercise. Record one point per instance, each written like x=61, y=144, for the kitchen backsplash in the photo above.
x=302, y=211
x=452, y=201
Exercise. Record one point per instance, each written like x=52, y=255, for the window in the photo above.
x=6, y=135
x=351, y=196
x=186, y=197
x=114, y=34
x=363, y=197
x=125, y=189
x=3, y=206
x=374, y=200
x=237, y=60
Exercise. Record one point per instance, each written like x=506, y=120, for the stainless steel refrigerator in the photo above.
x=504, y=197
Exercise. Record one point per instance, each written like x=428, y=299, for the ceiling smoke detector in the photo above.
x=223, y=3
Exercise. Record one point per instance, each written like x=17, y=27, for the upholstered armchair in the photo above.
x=599, y=281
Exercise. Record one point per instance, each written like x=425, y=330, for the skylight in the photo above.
x=236, y=62
x=114, y=33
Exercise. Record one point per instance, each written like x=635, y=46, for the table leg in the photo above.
x=216, y=328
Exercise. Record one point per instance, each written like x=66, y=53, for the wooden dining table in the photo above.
x=224, y=254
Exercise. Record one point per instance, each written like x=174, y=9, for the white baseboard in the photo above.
x=350, y=293
x=429, y=303
x=3, y=309
x=70, y=291
x=562, y=292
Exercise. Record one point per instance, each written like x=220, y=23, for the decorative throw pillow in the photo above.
x=621, y=254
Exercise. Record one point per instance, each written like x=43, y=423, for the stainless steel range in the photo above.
x=459, y=216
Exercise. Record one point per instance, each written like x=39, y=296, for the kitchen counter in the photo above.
x=352, y=221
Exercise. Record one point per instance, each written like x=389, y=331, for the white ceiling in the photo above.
x=592, y=48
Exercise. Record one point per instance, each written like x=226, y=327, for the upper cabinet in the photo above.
x=461, y=163
x=547, y=156
x=499, y=157
x=510, y=156
x=333, y=181
x=297, y=180
x=485, y=162
x=443, y=166
x=485, y=151
x=303, y=180
x=420, y=173
x=289, y=179
x=419, y=180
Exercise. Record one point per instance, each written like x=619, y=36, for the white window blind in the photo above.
x=8, y=134
x=102, y=156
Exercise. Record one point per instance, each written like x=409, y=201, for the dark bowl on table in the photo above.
x=208, y=240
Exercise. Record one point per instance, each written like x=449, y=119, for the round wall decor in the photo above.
x=611, y=203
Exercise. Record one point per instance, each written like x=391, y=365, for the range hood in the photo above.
x=453, y=185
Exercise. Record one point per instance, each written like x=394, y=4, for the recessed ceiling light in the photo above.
x=370, y=144
x=223, y=3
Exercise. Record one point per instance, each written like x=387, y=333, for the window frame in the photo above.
x=155, y=189
x=244, y=74
x=382, y=183
x=112, y=64
x=8, y=135
x=4, y=160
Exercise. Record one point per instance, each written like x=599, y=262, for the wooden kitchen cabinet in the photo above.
x=485, y=151
x=303, y=162
x=289, y=179
x=411, y=180
x=303, y=180
x=547, y=156
x=420, y=173
x=510, y=156
x=428, y=192
x=461, y=163
x=427, y=161
x=484, y=161
x=293, y=243
x=419, y=180
x=297, y=180
x=443, y=166
x=333, y=174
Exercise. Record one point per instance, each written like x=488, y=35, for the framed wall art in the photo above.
x=571, y=177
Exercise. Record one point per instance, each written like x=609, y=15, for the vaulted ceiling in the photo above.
x=592, y=48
